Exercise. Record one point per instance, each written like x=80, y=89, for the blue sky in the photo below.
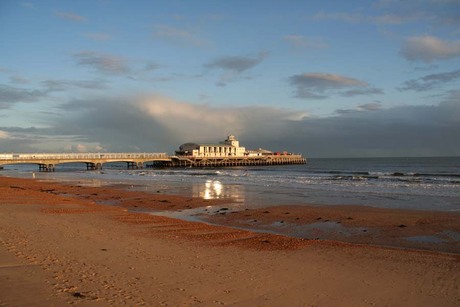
x=325, y=78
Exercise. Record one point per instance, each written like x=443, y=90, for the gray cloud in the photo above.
x=111, y=65
x=10, y=95
x=155, y=119
x=372, y=106
x=32, y=139
x=365, y=91
x=70, y=16
x=234, y=67
x=383, y=19
x=63, y=85
x=237, y=64
x=431, y=81
x=151, y=66
x=19, y=80
x=394, y=13
x=178, y=36
x=102, y=63
x=18, y=144
x=429, y=48
x=400, y=131
x=28, y=5
x=321, y=85
x=303, y=42
x=98, y=36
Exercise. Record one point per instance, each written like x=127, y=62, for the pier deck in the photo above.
x=95, y=161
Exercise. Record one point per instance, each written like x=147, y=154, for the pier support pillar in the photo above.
x=93, y=166
x=132, y=165
x=46, y=167
x=90, y=166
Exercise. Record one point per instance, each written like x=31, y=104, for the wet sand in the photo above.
x=425, y=230
x=59, y=244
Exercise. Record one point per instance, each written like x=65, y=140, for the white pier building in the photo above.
x=228, y=148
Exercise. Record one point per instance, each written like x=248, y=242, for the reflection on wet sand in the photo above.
x=214, y=189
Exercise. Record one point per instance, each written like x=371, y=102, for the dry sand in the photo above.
x=59, y=247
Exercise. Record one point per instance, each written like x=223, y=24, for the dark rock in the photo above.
x=78, y=294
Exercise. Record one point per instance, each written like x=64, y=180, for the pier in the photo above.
x=47, y=162
x=264, y=160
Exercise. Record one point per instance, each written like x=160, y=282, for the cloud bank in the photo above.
x=160, y=124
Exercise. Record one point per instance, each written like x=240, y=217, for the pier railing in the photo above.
x=81, y=156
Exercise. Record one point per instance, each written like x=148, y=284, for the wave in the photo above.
x=394, y=174
x=340, y=172
x=396, y=178
x=436, y=175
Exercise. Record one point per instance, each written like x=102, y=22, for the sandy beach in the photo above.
x=69, y=244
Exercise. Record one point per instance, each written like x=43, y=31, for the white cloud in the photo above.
x=83, y=148
x=203, y=122
x=429, y=48
x=4, y=135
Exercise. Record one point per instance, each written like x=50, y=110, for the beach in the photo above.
x=62, y=245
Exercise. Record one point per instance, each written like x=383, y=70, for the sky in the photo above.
x=322, y=78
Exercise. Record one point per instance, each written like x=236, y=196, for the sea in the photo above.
x=409, y=183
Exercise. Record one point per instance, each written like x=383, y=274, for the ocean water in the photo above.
x=411, y=183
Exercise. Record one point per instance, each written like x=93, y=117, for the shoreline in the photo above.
x=108, y=254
